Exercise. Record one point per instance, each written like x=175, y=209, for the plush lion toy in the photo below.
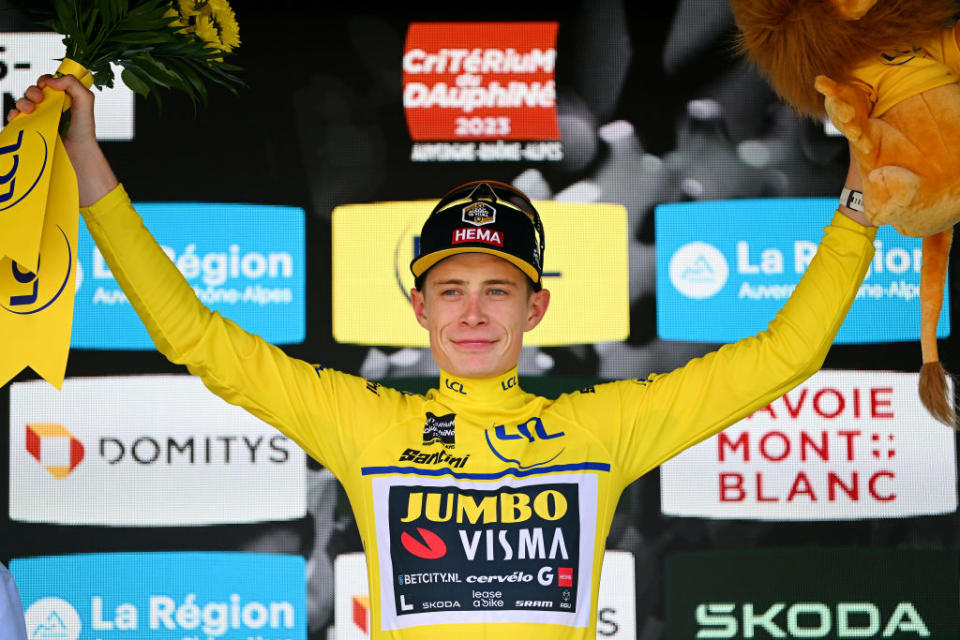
x=886, y=72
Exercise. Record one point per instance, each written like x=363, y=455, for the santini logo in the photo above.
x=698, y=270
x=809, y=620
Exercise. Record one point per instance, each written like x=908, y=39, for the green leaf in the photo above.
x=145, y=16
x=136, y=84
x=190, y=76
x=68, y=24
x=148, y=67
x=111, y=10
x=139, y=37
x=103, y=76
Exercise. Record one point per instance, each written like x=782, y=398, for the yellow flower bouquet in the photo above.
x=159, y=44
x=178, y=44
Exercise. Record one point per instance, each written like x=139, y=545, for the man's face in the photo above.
x=476, y=307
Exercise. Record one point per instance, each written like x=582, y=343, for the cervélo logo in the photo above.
x=157, y=596
x=245, y=261
x=843, y=445
x=481, y=91
x=813, y=593
x=737, y=261
x=80, y=455
x=616, y=600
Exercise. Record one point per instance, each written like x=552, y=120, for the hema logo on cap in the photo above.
x=479, y=214
x=469, y=234
x=737, y=261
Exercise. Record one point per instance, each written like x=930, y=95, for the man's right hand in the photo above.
x=94, y=177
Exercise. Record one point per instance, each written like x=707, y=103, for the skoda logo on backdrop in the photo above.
x=698, y=270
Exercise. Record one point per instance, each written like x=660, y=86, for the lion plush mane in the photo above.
x=794, y=41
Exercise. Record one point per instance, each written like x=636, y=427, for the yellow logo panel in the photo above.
x=585, y=269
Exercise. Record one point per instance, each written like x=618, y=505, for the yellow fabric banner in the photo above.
x=36, y=306
x=39, y=217
x=27, y=146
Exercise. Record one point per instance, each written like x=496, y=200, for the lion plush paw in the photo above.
x=890, y=192
x=849, y=110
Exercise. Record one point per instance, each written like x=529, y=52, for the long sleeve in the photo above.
x=304, y=401
x=665, y=414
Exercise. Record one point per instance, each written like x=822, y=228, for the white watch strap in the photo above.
x=852, y=199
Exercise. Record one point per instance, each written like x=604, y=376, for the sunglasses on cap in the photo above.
x=494, y=191
x=466, y=220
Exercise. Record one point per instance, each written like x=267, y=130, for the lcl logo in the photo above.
x=530, y=431
x=30, y=294
x=8, y=180
x=9, y=177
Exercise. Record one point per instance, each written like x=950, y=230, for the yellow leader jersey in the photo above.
x=483, y=509
x=890, y=78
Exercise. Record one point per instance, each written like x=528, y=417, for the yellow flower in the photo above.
x=219, y=6
x=189, y=8
x=229, y=29
x=207, y=32
x=179, y=22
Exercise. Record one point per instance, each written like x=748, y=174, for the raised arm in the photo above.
x=673, y=411
x=95, y=178
x=297, y=398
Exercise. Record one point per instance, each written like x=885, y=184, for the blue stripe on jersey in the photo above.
x=519, y=473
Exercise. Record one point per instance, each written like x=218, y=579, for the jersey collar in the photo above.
x=502, y=391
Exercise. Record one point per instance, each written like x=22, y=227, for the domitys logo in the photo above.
x=54, y=447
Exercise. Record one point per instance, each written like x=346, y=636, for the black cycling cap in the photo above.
x=484, y=216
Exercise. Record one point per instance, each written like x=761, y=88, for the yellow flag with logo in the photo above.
x=27, y=146
x=39, y=218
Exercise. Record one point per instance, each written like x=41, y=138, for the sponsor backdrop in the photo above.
x=169, y=453
x=843, y=445
x=682, y=204
x=813, y=593
x=738, y=261
x=111, y=596
x=244, y=261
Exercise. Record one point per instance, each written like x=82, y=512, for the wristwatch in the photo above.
x=851, y=199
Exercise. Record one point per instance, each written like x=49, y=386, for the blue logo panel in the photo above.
x=725, y=268
x=163, y=596
x=245, y=261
